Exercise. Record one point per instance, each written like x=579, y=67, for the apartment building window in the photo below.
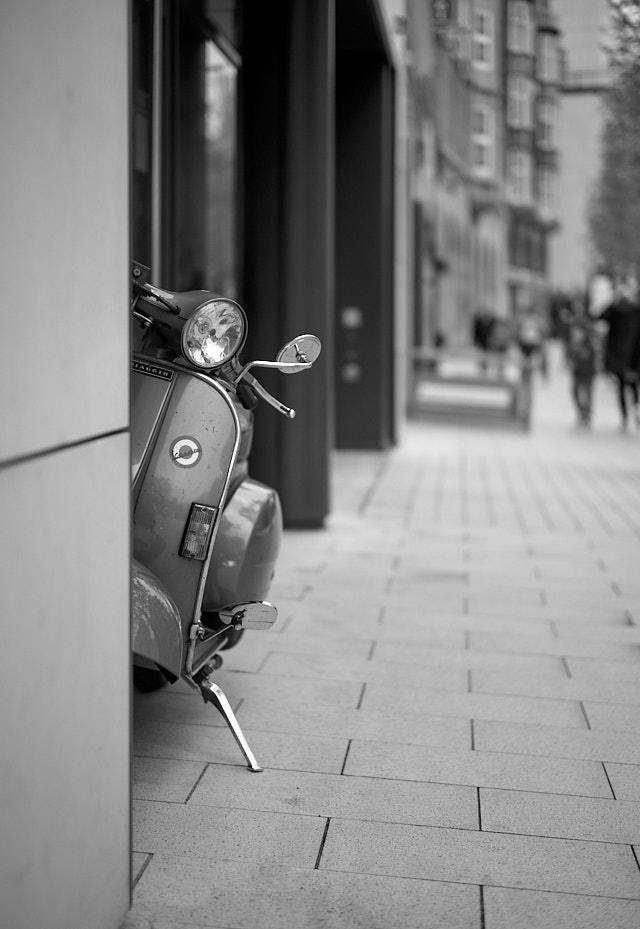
x=547, y=192
x=520, y=177
x=547, y=124
x=520, y=34
x=482, y=140
x=482, y=39
x=548, y=64
x=520, y=96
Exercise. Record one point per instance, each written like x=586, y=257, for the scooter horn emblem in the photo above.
x=186, y=452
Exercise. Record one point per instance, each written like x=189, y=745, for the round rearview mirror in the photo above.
x=298, y=354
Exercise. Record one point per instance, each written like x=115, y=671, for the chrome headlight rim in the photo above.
x=227, y=343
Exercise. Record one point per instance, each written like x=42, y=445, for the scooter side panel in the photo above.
x=190, y=462
x=156, y=629
x=246, y=547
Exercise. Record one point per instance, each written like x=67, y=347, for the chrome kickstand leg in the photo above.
x=214, y=694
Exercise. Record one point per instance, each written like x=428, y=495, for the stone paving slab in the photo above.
x=380, y=726
x=367, y=798
x=625, y=780
x=164, y=779
x=530, y=684
x=397, y=651
x=526, y=909
x=477, y=706
x=438, y=675
x=189, y=891
x=616, y=717
x=183, y=742
x=561, y=817
x=491, y=859
x=477, y=768
x=232, y=834
x=546, y=643
x=528, y=739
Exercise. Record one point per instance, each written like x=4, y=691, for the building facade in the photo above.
x=494, y=78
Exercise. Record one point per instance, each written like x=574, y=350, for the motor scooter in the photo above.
x=205, y=534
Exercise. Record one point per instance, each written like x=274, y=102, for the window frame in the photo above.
x=520, y=176
x=520, y=101
x=483, y=140
x=482, y=39
x=520, y=27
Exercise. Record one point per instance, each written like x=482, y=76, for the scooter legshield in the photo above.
x=156, y=628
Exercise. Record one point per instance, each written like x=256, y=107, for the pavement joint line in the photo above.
x=635, y=855
x=584, y=713
x=346, y=755
x=606, y=774
x=316, y=867
x=479, y=809
x=565, y=665
x=482, y=911
x=197, y=782
x=471, y=883
x=473, y=737
x=143, y=868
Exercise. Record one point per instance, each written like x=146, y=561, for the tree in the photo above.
x=614, y=210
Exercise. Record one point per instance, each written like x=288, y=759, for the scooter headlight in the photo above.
x=214, y=334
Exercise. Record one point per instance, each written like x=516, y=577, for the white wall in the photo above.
x=64, y=465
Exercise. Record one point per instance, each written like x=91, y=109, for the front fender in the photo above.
x=156, y=627
x=246, y=546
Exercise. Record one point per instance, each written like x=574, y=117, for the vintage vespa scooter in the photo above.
x=205, y=535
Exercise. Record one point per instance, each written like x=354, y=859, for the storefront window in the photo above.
x=141, y=130
x=220, y=91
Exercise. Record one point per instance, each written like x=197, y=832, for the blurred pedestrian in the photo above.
x=529, y=333
x=581, y=356
x=483, y=324
x=622, y=347
x=499, y=344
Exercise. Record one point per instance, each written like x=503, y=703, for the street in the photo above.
x=447, y=710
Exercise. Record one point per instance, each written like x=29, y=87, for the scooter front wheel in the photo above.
x=146, y=680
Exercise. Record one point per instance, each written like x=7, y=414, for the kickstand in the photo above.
x=211, y=693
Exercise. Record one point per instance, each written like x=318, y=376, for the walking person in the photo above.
x=622, y=348
x=581, y=357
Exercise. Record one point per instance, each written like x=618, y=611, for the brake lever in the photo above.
x=268, y=398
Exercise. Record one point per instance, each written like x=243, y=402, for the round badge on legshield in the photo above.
x=186, y=452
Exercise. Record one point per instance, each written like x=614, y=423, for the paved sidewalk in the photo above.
x=448, y=709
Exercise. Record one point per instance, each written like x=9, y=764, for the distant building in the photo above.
x=490, y=85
